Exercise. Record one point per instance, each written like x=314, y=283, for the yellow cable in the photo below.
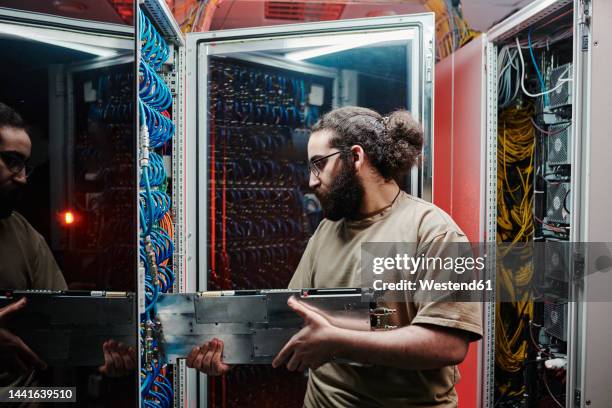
x=516, y=145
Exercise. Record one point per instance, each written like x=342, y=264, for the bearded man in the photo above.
x=355, y=157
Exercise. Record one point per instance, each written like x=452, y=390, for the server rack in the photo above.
x=68, y=105
x=160, y=60
x=566, y=203
x=250, y=157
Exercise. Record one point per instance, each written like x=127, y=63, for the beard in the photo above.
x=9, y=197
x=345, y=195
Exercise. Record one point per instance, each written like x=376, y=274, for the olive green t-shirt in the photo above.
x=26, y=262
x=332, y=260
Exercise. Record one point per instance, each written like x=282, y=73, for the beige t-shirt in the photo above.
x=26, y=262
x=332, y=260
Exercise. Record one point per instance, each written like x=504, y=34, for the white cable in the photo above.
x=550, y=392
x=505, y=75
x=560, y=82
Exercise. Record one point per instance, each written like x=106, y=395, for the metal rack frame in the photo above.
x=521, y=20
x=196, y=125
x=161, y=16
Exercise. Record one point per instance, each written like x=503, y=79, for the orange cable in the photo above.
x=213, y=199
x=224, y=255
x=166, y=225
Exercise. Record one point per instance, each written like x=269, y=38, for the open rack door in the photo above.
x=252, y=95
x=459, y=186
x=72, y=80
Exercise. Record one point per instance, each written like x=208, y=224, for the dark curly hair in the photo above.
x=10, y=118
x=391, y=143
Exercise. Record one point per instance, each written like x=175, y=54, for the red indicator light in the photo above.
x=67, y=218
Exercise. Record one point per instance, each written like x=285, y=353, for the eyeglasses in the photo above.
x=15, y=162
x=316, y=166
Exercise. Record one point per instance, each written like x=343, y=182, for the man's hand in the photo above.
x=208, y=358
x=13, y=351
x=119, y=359
x=312, y=346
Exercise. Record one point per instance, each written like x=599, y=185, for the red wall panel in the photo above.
x=457, y=186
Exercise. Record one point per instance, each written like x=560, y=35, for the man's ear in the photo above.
x=358, y=156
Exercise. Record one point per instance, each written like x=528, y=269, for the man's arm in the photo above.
x=47, y=274
x=415, y=347
x=412, y=347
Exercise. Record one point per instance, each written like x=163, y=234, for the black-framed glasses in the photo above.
x=316, y=166
x=15, y=162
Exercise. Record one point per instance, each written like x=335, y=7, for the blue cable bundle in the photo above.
x=162, y=245
x=154, y=49
x=152, y=89
x=156, y=171
x=161, y=129
x=155, y=205
x=156, y=246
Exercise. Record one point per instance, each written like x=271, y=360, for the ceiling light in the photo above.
x=347, y=42
x=70, y=6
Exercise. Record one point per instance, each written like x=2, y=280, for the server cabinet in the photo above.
x=82, y=71
x=251, y=96
x=161, y=154
x=73, y=82
x=550, y=45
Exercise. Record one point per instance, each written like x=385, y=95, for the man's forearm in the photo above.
x=412, y=347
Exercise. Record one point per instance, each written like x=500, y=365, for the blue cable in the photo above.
x=156, y=171
x=537, y=68
x=154, y=97
x=148, y=223
x=152, y=89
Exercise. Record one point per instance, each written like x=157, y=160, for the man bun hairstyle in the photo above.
x=392, y=143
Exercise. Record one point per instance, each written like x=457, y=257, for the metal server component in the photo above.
x=254, y=325
x=563, y=95
x=559, y=145
x=68, y=328
x=555, y=320
x=558, y=205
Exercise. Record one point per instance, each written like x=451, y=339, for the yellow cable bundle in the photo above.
x=445, y=41
x=515, y=159
x=516, y=144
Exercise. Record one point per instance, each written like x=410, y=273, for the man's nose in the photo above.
x=314, y=181
x=20, y=178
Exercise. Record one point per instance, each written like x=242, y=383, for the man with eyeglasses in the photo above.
x=26, y=262
x=355, y=157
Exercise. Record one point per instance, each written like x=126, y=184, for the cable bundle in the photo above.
x=511, y=67
x=156, y=245
x=156, y=171
x=152, y=89
x=161, y=128
x=159, y=203
x=515, y=158
x=154, y=49
x=516, y=147
x=452, y=30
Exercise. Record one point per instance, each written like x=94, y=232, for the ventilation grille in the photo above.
x=558, y=203
x=562, y=96
x=303, y=10
x=555, y=318
x=557, y=261
x=559, y=142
